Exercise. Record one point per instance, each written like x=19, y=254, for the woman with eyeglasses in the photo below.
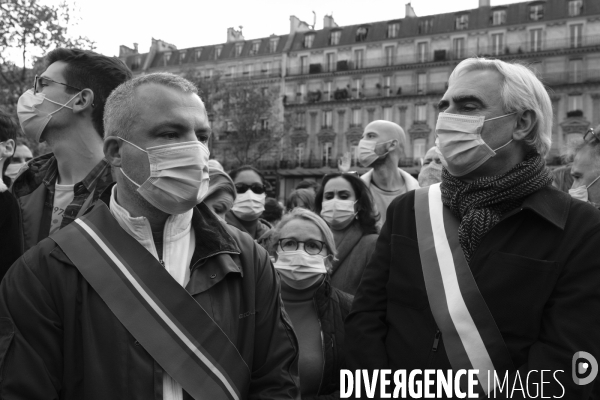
x=345, y=202
x=304, y=247
x=249, y=203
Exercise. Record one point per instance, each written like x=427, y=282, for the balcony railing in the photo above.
x=256, y=74
x=437, y=55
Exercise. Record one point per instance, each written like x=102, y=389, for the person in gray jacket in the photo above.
x=345, y=203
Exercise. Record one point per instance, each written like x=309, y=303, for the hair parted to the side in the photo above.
x=306, y=215
x=219, y=182
x=120, y=109
x=89, y=70
x=521, y=91
x=234, y=173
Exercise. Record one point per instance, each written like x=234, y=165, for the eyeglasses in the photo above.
x=591, y=135
x=257, y=188
x=311, y=246
x=40, y=81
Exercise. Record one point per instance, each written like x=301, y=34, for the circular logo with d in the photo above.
x=584, y=367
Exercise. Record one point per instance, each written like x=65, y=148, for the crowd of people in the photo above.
x=134, y=266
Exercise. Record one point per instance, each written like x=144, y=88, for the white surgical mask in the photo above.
x=13, y=169
x=430, y=174
x=338, y=213
x=249, y=206
x=300, y=270
x=178, y=176
x=366, y=151
x=581, y=192
x=32, y=119
x=459, y=140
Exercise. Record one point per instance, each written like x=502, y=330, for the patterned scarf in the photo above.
x=480, y=204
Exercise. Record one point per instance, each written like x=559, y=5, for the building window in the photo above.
x=303, y=65
x=238, y=49
x=499, y=17
x=303, y=90
x=462, y=22
x=422, y=52
x=327, y=119
x=393, y=29
x=370, y=115
x=218, y=50
x=536, y=12
x=255, y=48
x=575, y=71
x=387, y=113
x=264, y=124
x=389, y=55
x=300, y=153
x=266, y=68
x=535, y=40
x=273, y=45
x=231, y=71
x=498, y=44
x=357, y=87
x=356, y=118
x=327, y=153
x=329, y=91
x=575, y=102
x=354, y=154
x=425, y=25
x=248, y=69
x=300, y=120
x=334, y=37
x=358, y=58
x=388, y=85
x=419, y=149
x=421, y=83
x=459, y=47
x=575, y=7
x=361, y=34
x=575, y=35
x=421, y=113
x=330, y=62
x=309, y=38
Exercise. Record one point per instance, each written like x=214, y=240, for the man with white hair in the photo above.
x=431, y=170
x=381, y=147
x=148, y=296
x=494, y=269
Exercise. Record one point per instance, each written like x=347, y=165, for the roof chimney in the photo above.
x=328, y=22
x=410, y=12
x=296, y=25
x=135, y=47
x=234, y=36
x=484, y=3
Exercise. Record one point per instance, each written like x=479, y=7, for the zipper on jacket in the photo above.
x=434, y=348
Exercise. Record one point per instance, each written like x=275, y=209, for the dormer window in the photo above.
x=198, y=54
x=361, y=34
x=462, y=22
x=334, y=37
x=425, y=25
x=137, y=61
x=238, y=49
x=273, y=45
x=255, y=48
x=499, y=17
x=536, y=12
x=182, y=56
x=309, y=38
x=167, y=57
x=218, y=50
x=575, y=7
x=393, y=29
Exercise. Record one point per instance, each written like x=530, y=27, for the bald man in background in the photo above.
x=381, y=147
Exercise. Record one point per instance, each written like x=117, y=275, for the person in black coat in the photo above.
x=11, y=247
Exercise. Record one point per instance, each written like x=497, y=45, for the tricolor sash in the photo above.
x=471, y=338
x=160, y=314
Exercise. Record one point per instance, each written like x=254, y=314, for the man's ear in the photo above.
x=112, y=150
x=8, y=150
x=84, y=101
x=525, y=124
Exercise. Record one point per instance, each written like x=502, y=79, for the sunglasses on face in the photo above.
x=257, y=188
x=40, y=82
x=591, y=135
x=311, y=246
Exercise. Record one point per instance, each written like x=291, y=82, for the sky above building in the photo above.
x=186, y=23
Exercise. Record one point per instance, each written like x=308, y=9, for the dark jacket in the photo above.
x=538, y=270
x=353, y=253
x=34, y=191
x=262, y=227
x=333, y=306
x=10, y=230
x=59, y=340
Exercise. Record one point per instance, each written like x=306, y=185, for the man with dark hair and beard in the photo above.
x=381, y=147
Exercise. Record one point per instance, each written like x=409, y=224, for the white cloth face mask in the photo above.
x=178, y=176
x=33, y=121
x=13, y=169
x=338, y=213
x=459, y=140
x=581, y=192
x=366, y=151
x=248, y=206
x=299, y=269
